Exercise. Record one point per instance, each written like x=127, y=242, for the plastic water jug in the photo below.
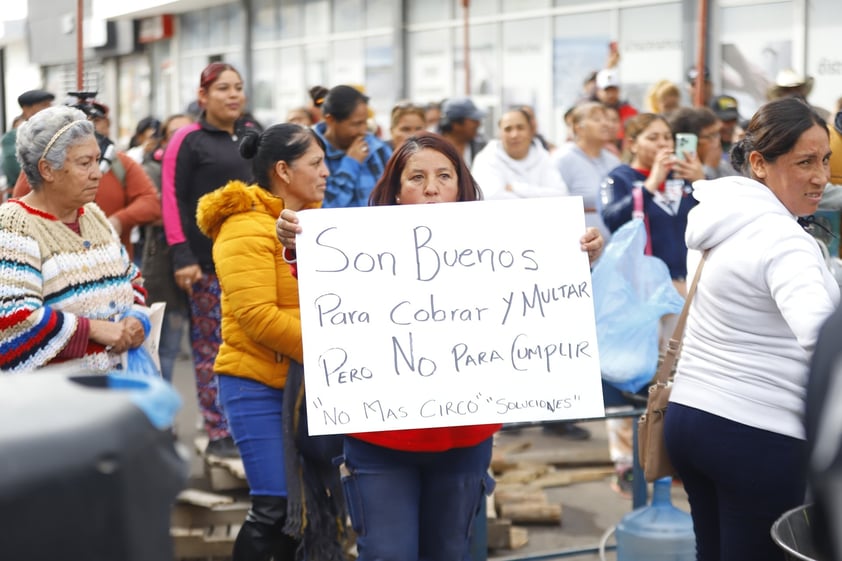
x=658, y=532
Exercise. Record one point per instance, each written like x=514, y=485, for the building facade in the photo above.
x=150, y=52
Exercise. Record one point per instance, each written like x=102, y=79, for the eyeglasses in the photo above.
x=711, y=136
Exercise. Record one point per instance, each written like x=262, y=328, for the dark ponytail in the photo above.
x=248, y=145
x=282, y=142
x=739, y=157
x=774, y=130
x=318, y=95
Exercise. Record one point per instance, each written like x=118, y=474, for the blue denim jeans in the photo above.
x=172, y=333
x=414, y=506
x=254, y=417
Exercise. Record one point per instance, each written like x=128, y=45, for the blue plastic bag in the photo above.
x=138, y=360
x=631, y=293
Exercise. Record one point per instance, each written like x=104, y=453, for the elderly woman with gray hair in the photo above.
x=69, y=288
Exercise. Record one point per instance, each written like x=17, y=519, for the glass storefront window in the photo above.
x=484, y=55
x=316, y=65
x=426, y=11
x=134, y=89
x=580, y=46
x=291, y=20
x=526, y=68
x=302, y=43
x=824, y=61
x=226, y=26
x=163, y=74
x=430, y=76
x=292, y=91
x=266, y=21
x=262, y=99
x=348, y=63
x=479, y=8
x=191, y=70
x=193, y=29
x=524, y=5
x=316, y=18
x=750, y=61
x=380, y=13
x=650, y=53
x=380, y=77
x=347, y=15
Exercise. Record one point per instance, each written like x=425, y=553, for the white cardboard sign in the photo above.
x=453, y=314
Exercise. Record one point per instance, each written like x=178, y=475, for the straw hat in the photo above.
x=789, y=82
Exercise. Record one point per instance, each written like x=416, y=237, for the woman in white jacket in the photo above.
x=734, y=429
x=516, y=165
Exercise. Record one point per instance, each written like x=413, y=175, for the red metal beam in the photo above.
x=466, y=4
x=80, y=54
x=700, y=54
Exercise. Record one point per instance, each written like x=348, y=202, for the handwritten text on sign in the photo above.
x=450, y=314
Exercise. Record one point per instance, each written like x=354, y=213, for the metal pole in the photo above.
x=700, y=54
x=80, y=55
x=467, y=47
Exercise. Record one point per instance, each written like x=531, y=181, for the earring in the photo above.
x=397, y=199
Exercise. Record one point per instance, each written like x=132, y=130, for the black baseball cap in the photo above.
x=725, y=107
x=34, y=97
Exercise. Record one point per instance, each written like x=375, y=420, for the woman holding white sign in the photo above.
x=261, y=328
x=435, y=478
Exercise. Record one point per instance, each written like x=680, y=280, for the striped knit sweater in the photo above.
x=50, y=276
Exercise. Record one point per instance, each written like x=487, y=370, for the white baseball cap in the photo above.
x=607, y=78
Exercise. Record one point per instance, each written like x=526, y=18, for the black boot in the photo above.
x=261, y=536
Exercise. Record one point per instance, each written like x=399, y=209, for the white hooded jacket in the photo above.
x=763, y=294
x=533, y=176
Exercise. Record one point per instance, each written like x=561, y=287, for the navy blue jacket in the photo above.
x=665, y=228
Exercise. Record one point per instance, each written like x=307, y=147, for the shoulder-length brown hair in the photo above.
x=389, y=186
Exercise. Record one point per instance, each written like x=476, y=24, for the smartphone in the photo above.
x=685, y=143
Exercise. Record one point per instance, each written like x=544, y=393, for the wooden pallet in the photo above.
x=223, y=474
x=523, y=475
x=204, y=525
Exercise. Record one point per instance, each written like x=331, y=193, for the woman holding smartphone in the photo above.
x=664, y=180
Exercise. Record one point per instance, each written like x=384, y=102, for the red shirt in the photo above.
x=429, y=440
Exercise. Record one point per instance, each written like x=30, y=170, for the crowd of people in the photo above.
x=200, y=212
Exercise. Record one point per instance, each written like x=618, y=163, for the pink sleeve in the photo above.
x=170, y=213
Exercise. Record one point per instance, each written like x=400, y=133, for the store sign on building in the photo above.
x=155, y=28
